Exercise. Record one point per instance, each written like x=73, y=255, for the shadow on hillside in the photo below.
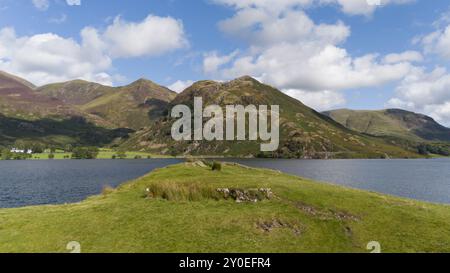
x=74, y=130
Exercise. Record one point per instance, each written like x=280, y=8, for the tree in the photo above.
x=37, y=148
x=6, y=154
x=68, y=148
x=51, y=156
x=121, y=154
x=20, y=144
x=85, y=153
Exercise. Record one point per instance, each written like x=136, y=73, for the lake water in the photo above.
x=25, y=183
x=422, y=179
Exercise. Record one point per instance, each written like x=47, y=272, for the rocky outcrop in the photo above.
x=249, y=195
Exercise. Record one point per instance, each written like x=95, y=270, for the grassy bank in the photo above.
x=103, y=154
x=178, y=209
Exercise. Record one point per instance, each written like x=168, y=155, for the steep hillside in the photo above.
x=18, y=99
x=132, y=106
x=392, y=123
x=29, y=115
x=17, y=79
x=304, y=132
x=77, y=92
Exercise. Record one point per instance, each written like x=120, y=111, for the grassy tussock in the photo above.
x=182, y=192
x=107, y=190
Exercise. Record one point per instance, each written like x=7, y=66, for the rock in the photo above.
x=250, y=195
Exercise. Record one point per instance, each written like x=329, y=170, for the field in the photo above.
x=103, y=154
x=178, y=209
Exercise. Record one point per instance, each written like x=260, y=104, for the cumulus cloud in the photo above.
x=438, y=42
x=179, y=86
x=407, y=56
x=363, y=7
x=212, y=61
x=351, y=7
x=153, y=36
x=320, y=101
x=287, y=49
x=45, y=58
x=426, y=93
x=48, y=57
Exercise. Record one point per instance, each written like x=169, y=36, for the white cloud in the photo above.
x=153, y=36
x=212, y=61
x=179, y=86
x=287, y=49
x=438, y=42
x=320, y=101
x=48, y=57
x=288, y=26
x=364, y=7
x=41, y=4
x=351, y=7
x=426, y=93
x=316, y=67
x=73, y=2
x=407, y=56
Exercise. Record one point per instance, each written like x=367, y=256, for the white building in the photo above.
x=18, y=151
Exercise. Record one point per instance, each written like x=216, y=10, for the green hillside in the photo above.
x=178, y=209
x=304, y=132
x=392, y=123
x=31, y=116
x=77, y=92
x=133, y=106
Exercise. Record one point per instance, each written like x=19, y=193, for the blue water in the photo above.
x=25, y=183
x=422, y=179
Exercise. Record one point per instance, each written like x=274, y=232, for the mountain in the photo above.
x=29, y=115
x=19, y=100
x=17, y=79
x=392, y=123
x=133, y=106
x=76, y=92
x=305, y=133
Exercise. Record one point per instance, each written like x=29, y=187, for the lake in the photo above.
x=421, y=179
x=25, y=183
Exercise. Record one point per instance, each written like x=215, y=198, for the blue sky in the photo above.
x=327, y=53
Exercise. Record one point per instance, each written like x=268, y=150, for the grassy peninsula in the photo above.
x=179, y=209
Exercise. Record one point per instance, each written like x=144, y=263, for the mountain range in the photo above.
x=392, y=123
x=135, y=117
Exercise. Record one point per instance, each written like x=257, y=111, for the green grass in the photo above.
x=185, y=214
x=103, y=154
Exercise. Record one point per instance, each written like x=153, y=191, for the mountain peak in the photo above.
x=16, y=79
x=141, y=81
x=246, y=78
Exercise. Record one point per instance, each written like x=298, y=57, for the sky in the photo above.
x=359, y=54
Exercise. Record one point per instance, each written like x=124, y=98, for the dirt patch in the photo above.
x=348, y=231
x=269, y=226
x=326, y=215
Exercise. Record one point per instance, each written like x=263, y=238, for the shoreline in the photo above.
x=305, y=214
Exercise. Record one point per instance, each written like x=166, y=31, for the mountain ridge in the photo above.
x=392, y=123
x=305, y=133
x=144, y=106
